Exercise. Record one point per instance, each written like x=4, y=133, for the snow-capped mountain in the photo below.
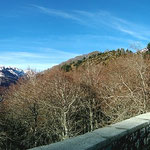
x=9, y=75
x=144, y=50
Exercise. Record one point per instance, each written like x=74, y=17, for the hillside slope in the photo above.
x=93, y=58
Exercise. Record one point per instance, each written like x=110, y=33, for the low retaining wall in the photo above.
x=130, y=134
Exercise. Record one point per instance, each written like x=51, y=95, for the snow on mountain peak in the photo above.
x=9, y=75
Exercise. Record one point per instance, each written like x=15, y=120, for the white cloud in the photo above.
x=56, y=13
x=41, y=59
x=35, y=66
x=95, y=19
x=107, y=19
x=25, y=55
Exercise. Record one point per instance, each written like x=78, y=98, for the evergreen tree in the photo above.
x=148, y=46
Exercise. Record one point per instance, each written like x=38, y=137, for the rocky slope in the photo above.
x=9, y=75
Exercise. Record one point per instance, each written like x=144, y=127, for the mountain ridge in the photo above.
x=9, y=75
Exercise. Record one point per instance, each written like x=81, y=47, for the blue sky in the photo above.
x=42, y=33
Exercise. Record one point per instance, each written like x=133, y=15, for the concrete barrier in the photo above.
x=130, y=134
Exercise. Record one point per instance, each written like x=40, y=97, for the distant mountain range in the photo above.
x=9, y=75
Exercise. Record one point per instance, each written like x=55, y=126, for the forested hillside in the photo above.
x=75, y=97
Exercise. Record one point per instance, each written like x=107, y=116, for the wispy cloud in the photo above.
x=122, y=25
x=25, y=55
x=56, y=13
x=96, y=19
x=40, y=60
x=35, y=66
